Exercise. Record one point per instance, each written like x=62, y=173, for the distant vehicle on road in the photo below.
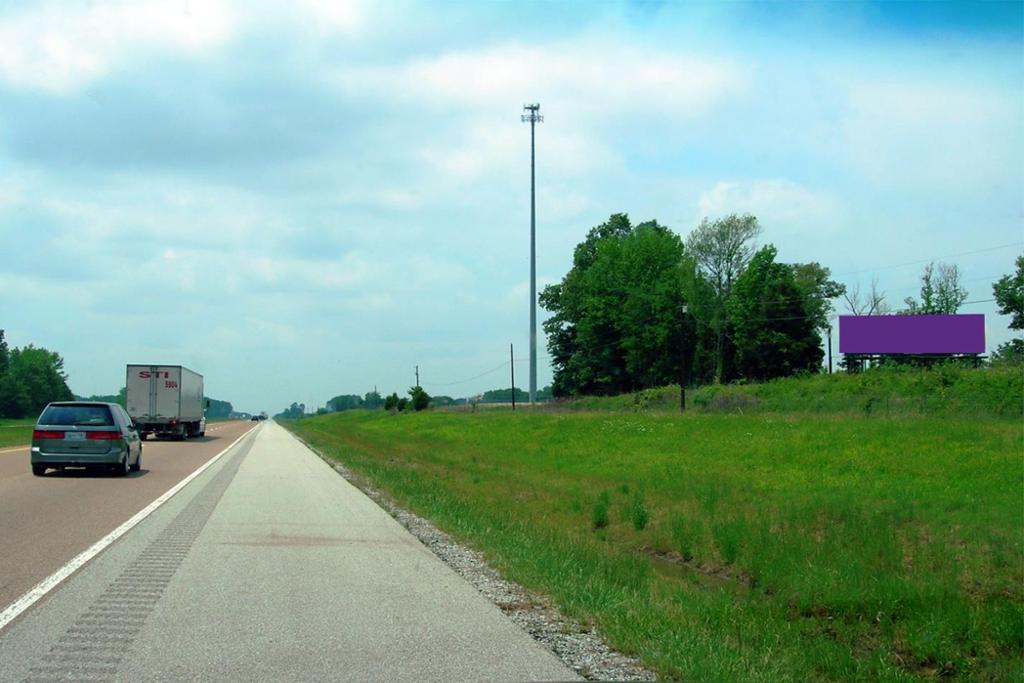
x=166, y=400
x=255, y=418
x=85, y=434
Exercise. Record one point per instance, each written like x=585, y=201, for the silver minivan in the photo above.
x=85, y=434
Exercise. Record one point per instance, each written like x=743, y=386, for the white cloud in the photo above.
x=334, y=15
x=781, y=202
x=517, y=297
x=60, y=49
x=594, y=79
x=945, y=138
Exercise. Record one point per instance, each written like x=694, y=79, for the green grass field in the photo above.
x=733, y=547
x=15, y=432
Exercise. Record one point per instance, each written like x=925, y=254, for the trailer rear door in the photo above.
x=167, y=390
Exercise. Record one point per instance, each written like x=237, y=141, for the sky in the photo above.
x=310, y=198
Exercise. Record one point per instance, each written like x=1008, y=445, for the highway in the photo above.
x=266, y=566
x=46, y=521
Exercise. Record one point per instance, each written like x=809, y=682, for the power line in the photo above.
x=470, y=379
x=937, y=258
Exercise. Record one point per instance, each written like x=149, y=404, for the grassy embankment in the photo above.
x=824, y=546
x=15, y=432
x=890, y=391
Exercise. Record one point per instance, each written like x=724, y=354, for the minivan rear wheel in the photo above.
x=38, y=470
x=122, y=468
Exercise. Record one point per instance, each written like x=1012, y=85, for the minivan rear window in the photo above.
x=69, y=415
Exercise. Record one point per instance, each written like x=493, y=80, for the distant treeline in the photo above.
x=217, y=408
x=31, y=377
x=374, y=401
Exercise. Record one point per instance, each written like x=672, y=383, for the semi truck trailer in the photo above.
x=166, y=400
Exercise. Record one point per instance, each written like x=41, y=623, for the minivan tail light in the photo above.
x=47, y=434
x=97, y=436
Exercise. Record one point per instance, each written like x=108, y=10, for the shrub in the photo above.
x=419, y=398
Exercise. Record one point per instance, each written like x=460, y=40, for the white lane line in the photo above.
x=53, y=580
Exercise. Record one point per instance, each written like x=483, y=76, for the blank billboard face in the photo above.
x=912, y=334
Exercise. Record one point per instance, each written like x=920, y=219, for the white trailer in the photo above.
x=166, y=400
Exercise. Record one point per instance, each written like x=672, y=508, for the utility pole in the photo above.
x=512, y=366
x=534, y=117
x=417, y=375
x=830, y=349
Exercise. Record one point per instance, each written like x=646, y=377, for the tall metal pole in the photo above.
x=512, y=365
x=534, y=117
x=682, y=363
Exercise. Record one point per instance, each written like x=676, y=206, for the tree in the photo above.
x=344, y=402
x=34, y=377
x=120, y=398
x=721, y=250
x=1009, y=294
x=941, y=293
x=372, y=400
x=775, y=329
x=419, y=398
x=818, y=291
x=219, y=408
x=873, y=303
x=504, y=396
x=391, y=402
x=1008, y=291
x=616, y=321
x=1010, y=353
x=5, y=355
x=293, y=412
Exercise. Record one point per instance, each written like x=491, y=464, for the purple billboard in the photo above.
x=912, y=334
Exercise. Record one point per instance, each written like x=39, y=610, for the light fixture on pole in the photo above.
x=534, y=117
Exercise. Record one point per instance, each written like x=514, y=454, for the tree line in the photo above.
x=640, y=307
x=30, y=377
x=215, y=408
x=418, y=399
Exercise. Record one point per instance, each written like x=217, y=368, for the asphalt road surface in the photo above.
x=46, y=521
x=266, y=567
